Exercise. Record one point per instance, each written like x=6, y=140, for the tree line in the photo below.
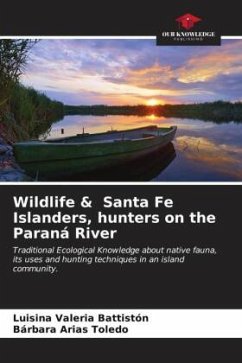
x=219, y=111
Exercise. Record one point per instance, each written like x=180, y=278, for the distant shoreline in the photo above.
x=215, y=111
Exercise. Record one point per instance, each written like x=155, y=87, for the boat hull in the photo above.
x=56, y=161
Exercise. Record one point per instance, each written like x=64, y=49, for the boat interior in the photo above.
x=111, y=136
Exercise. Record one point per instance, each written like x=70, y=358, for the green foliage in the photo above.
x=24, y=112
x=13, y=57
x=30, y=113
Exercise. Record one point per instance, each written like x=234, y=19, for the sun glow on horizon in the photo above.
x=152, y=102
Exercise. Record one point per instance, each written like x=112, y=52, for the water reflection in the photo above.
x=143, y=169
x=221, y=158
x=74, y=124
x=205, y=151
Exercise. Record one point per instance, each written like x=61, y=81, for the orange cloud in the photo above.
x=150, y=75
x=203, y=68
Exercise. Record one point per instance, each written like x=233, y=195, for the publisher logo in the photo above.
x=187, y=21
x=188, y=29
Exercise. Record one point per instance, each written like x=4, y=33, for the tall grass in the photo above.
x=27, y=113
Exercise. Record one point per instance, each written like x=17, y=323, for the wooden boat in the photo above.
x=61, y=158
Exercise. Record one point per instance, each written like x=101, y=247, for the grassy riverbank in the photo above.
x=218, y=111
x=27, y=113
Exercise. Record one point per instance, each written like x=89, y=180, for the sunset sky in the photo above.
x=119, y=72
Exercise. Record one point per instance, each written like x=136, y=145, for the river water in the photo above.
x=203, y=150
